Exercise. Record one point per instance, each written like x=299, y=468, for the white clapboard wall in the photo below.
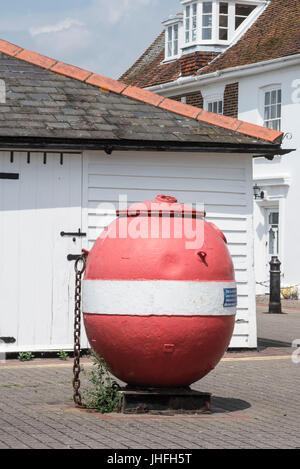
x=36, y=279
x=222, y=182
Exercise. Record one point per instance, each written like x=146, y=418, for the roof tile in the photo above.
x=276, y=33
x=150, y=69
x=192, y=123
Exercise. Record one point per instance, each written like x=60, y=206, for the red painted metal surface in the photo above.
x=158, y=350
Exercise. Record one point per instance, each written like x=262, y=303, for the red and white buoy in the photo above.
x=160, y=313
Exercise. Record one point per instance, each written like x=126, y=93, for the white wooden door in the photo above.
x=37, y=280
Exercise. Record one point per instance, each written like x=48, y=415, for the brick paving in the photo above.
x=256, y=404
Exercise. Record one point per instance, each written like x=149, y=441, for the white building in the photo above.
x=71, y=143
x=241, y=59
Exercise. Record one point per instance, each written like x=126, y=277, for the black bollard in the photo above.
x=275, y=298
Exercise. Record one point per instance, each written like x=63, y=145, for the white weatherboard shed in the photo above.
x=71, y=143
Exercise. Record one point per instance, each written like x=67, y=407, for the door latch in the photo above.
x=73, y=257
x=79, y=234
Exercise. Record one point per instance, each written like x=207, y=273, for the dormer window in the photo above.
x=173, y=36
x=191, y=23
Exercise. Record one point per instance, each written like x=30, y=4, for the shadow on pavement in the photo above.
x=265, y=343
x=228, y=404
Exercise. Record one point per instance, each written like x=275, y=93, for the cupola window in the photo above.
x=223, y=21
x=242, y=12
x=207, y=21
x=191, y=23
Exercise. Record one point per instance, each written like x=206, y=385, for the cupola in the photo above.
x=209, y=25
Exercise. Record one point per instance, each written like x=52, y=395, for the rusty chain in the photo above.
x=80, y=265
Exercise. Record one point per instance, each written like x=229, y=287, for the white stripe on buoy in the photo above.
x=159, y=297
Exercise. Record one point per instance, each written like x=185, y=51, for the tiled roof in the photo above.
x=275, y=34
x=50, y=99
x=149, y=70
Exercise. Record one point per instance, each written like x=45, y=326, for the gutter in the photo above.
x=60, y=145
x=191, y=83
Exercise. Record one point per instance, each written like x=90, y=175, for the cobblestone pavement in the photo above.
x=256, y=404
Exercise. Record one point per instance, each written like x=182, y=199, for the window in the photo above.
x=223, y=21
x=241, y=13
x=215, y=106
x=207, y=21
x=272, y=109
x=191, y=23
x=172, y=35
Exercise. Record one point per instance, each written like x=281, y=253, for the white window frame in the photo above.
x=232, y=32
x=216, y=106
x=268, y=121
x=213, y=98
x=172, y=42
x=227, y=28
x=242, y=16
x=191, y=33
x=173, y=25
x=204, y=27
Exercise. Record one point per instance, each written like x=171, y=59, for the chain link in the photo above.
x=80, y=265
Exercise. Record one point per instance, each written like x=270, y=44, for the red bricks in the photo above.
x=71, y=71
x=143, y=95
x=106, y=83
x=8, y=48
x=36, y=59
x=231, y=100
x=180, y=108
x=195, y=99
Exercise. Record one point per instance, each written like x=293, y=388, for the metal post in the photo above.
x=275, y=299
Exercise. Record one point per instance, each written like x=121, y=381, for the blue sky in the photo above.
x=105, y=36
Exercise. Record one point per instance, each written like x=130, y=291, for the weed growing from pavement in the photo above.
x=103, y=395
x=62, y=355
x=25, y=356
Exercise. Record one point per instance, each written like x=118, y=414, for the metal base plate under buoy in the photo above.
x=164, y=401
